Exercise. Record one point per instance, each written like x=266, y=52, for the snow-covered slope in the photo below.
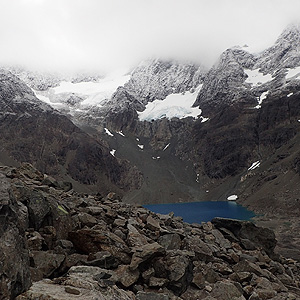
x=156, y=79
x=173, y=106
x=242, y=76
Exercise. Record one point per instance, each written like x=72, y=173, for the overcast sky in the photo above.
x=112, y=34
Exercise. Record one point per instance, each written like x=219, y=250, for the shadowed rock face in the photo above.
x=14, y=272
x=32, y=131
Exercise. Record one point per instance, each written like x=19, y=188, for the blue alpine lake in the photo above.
x=197, y=212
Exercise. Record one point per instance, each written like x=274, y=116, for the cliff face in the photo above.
x=34, y=132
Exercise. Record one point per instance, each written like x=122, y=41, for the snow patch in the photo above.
x=96, y=92
x=203, y=120
x=232, y=198
x=112, y=152
x=293, y=73
x=157, y=157
x=255, y=165
x=260, y=99
x=166, y=147
x=257, y=78
x=197, y=177
x=141, y=146
x=108, y=132
x=121, y=133
x=290, y=94
x=138, y=139
x=174, y=105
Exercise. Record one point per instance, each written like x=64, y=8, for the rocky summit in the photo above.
x=60, y=244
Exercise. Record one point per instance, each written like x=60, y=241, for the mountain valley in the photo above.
x=166, y=132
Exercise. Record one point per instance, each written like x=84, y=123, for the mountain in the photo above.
x=195, y=133
x=33, y=131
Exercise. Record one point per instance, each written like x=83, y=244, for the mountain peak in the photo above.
x=290, y=34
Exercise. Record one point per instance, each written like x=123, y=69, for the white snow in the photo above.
x=96, y=92
x=232, y=198
x=260, y=99
x=203, y=119
x=157, y=157
x=174, y=105
x=290, y=94
x=47, y=100
x=121, y=133
x=293, y=72
x=141, y=146
x=112, y=152
x=108, y=132
x=166, y=147
x=257, y=78
x=254, y=165
x=138, y=139
x=298, y=120
x=197, y=178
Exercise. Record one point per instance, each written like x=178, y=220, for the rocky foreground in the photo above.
x=57, y=244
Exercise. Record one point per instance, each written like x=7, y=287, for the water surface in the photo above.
x=197, y=212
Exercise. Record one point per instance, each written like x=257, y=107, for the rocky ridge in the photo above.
x=77, y=245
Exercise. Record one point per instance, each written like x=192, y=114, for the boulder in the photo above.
x=226, y=290
x=91, y=241
x=179, y=269
x=145, y=253
x=46, y=262
x=252, y=235
x=126, y=276
x=170, y=241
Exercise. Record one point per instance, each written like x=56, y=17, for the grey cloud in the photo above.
x=110, y=34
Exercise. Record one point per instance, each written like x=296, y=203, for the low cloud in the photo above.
x=104, y=35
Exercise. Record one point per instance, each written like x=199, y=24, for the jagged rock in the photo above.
x=179, y=269
x=86, y=220
x=146, y=252
x=152, y=224
x=226, y=290
x=102, y=259
x=170, y=241
x=201, y=249
x=127, y=277
x=45, y=263
x=259, y=237
x=92, y=241
x=79, y=280
x=156, y=282
x=135, y=238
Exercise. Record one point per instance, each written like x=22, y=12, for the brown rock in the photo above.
x=153, y=224
x=170, y=241
x=226, y=290
x=71, y=290
x=127, y=277
x=146, y=252
x=157, y=282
